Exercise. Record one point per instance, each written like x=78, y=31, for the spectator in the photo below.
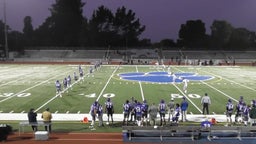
x=206, y=101
x=153, y=110
x=32, y=119
x=184, y=107
x=47, y=117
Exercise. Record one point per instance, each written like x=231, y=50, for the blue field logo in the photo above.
x=163, y=77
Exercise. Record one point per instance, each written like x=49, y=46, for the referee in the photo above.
x=206, y=101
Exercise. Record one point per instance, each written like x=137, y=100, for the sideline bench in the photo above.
x=161, y=133
x=23, y=124
x=189, y=133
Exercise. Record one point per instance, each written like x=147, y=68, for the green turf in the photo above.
x=26, y=86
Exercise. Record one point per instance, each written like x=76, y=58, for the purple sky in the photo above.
x=161, y=17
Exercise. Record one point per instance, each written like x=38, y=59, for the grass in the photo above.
x=32, y=86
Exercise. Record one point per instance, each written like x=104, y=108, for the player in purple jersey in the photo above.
x=65, y=83
x=162, y=108
x=93, y=111
x=75, y=76
x=138, y=111
x=126, y=112
x=144, y=112
x=100, y=115
x=69, y=81
x=177, y=112
x=109, y=109
x=229, y=111
x=58, y=87
x=206, y=124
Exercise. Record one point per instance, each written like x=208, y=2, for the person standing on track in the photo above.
x=32, y=119
x=93, y=111
x=162, y=110
x=229, y=111
x=171, y=106
x=47, y=117
x=153, y=110
x=184, y=107
x=126, y=112
x=109, y=109
x=206, y=101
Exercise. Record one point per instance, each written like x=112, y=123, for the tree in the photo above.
x=192, y=34
x=240, y=39
x=101, y=28
x=28, y=31
x=127, y=27
x=220, y=33
x=63, y=27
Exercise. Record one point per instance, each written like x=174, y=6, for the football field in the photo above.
x=33, y=86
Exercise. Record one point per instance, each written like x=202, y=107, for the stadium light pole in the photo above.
x=6, y=33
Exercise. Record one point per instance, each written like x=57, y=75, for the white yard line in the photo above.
x=107, y=83
x=60, y=93
x=28, y=89
x=188, y=99
x=219, y=91
x=141, y=90
x=230, y=80
x=186, y=95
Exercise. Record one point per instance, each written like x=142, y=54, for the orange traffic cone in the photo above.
x=85, y=120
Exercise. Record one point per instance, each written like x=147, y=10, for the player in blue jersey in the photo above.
x=109, y=109
x=229, y=111
x=126, y=112
x=58, y=87
x=138, y=111
x=162, y=107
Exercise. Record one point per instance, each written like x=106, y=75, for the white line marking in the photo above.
x=107, y=83
x=230, y=80
x=141, y=89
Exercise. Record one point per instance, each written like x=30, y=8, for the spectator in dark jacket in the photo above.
x=32, y=119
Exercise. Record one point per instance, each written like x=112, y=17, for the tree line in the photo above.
x=67, y=27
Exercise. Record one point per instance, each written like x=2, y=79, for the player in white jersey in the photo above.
x=185, y=86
